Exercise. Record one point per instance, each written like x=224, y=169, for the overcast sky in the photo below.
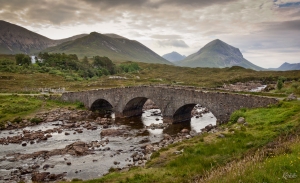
x=266, y=31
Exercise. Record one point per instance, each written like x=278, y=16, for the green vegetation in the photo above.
x=68, y=66
x=288, y=87
x=265, y=150
x=17, y=107
x=22, y=59
x=84, y=76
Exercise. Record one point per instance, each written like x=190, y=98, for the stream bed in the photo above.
x=102, y=152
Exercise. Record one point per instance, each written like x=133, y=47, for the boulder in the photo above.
x=184, y=130
x=112, y=132
x=241, y=120
x=39, y=177
x=292, y=96
x=193, y=133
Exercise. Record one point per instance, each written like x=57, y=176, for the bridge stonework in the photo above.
x=176, y=103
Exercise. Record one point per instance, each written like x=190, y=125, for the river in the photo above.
x=115, y=153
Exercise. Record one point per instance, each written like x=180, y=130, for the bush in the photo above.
x=80, y=105
x=236, y=114
x=155, y=155
x=36, y=120
x=17, y=119
x=279, y=84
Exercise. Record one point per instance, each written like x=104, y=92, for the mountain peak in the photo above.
x=218, y=54
x=220, y=47
x=173, y=56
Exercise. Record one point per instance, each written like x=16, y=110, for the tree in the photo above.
x=279, y=84
x=22, y=59
x=104, y=63
x=85, y=60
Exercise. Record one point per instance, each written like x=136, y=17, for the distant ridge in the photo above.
x=218, y=54
x=287, y=67
x=110, y=45
x=16, y=39
x=174, y=57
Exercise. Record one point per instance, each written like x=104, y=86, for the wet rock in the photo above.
x=24, y=144
x=54, y=177
x=207, y=128
x=149, y=148
x=39, y=177
x=69, y=163
x=193, y=133
x=35, y=166
x=116, y=163
x=77, y=148
x=45, y=167
x=166, y=136
x=112, y=132
x=144, y=140
x=184, y=130
x=67, y=133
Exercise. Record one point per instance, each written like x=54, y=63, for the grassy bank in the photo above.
x=204, y=155
x=15, y=107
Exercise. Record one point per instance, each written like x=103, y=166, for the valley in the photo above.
x=100, y=107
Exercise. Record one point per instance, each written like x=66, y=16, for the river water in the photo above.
x=96, y=164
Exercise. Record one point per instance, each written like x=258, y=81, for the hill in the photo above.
x=218, y=54
x=113, y=46
x=287, y=66
x=173, y=57
x=16, y=39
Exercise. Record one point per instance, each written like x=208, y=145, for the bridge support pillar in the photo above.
x=168, y=119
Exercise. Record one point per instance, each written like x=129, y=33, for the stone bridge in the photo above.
x=176, y=103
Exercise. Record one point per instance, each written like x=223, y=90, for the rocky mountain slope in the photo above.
x=16, y=39
x=287, y=66
x=111, y=45
x=217, y=54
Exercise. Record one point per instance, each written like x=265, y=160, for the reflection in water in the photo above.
x=150, y=117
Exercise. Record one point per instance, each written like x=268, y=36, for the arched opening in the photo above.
x=194, y=116
x=143, y=111
x=134, y=107
x=184, y=113
x=102, y=107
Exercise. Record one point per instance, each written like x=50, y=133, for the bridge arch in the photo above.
x=134, y=107
x=101, y=105
x=184, y=112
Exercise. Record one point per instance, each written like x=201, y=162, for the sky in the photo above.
x=266, y=31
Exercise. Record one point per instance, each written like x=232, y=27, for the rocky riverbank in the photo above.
x=58, y=147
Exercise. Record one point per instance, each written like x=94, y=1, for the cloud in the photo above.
x=159, y=36
x=173, y=43
x=164, y=24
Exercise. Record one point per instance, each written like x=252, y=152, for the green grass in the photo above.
x=15, y=107
x=205, y=154
x=30, y=79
